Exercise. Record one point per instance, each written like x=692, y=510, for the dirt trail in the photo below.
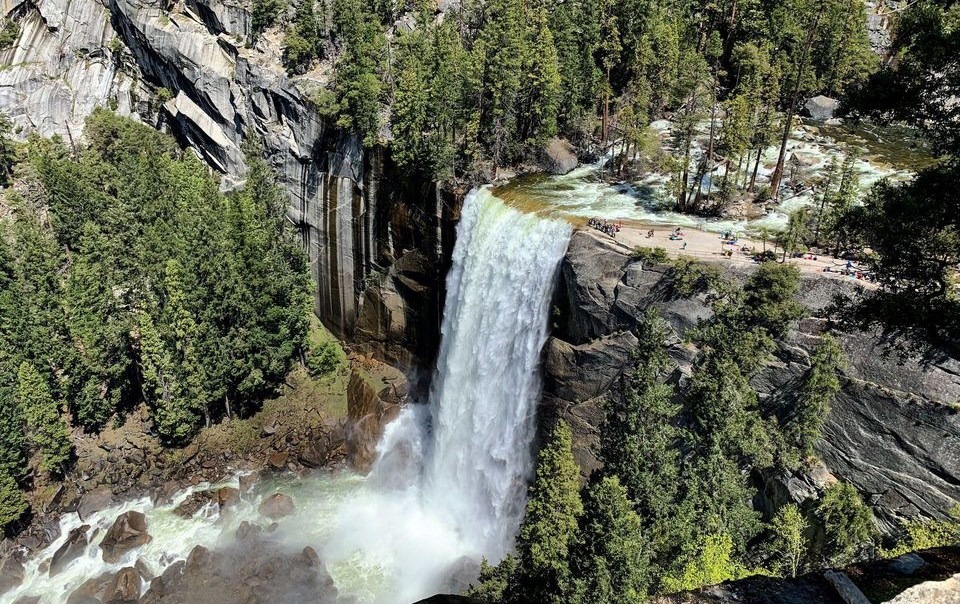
x=709, y=246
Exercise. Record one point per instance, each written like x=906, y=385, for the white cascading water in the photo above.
x=487, y=383
x=449, y=483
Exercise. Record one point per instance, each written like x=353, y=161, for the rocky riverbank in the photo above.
x=315, y=424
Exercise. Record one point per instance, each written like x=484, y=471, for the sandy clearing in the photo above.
x=709, y=246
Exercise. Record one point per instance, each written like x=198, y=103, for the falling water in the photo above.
x=487, y=381
x=449, y=482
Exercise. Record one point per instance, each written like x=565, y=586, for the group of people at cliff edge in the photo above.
x=605, y=226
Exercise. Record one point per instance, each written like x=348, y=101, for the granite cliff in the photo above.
x=188, y=68
x=894, y=428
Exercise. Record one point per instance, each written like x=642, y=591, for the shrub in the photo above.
x=691, y=277
x=9, y=33
x=649, y=255
x=325, y=359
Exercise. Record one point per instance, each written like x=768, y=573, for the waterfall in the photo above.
x=449, y=482
x=487, y=383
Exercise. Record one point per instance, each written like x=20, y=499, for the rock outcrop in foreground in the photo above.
x=919, y=578
x=894, y=431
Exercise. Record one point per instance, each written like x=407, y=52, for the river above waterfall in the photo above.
x=591, y=191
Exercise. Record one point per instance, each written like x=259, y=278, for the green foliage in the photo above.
x=173, y=294
x=324, y=359
x=713, y=564
x=263, y=14
x=649, y=255
x=816, y=395
x=847, y=522
x=638, y=437
x=9, y=32
x=913, y=230
x=549, y=525
x=13, y=505
x=917, y=88
x=301, y=44
x=770, y=298
x=610, y=557
x=46, y=430
x=691, y=277
x=920, y=534
x=359, y=81
x=493, y=581
x=789, y=542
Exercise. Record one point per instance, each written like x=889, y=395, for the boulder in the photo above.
x=73, y=547
x=129, y=531
x=931, y=592
x=11, y=574
x=558, y=157
x=193, y=503
x=125, y=588
x=92, y=591
x=227, y=497
x=276, y=506
x=278, y=460
x=821, y=108
x=94, y=501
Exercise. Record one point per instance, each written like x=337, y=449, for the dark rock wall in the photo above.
x=894, y=431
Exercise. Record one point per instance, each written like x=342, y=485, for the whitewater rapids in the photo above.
x=449, y=483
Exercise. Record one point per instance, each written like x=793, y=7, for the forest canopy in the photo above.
x=126, y=276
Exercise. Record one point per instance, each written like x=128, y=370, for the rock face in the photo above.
x=821, y=108
x=558, y=157
x=186, y=68
x=128, y=532
x=893, y=432
x=375, y=394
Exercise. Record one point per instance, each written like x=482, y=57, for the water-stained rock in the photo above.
x=73, y=547
x=276, y=506
x=125, y=587
x=227, y=497
x=129, y=531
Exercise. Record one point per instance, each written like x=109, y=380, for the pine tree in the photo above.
x=610, y=557
x=13, y=505
x=817, y=393
x=847, y=522
x=301, y=45
x=549, y=525
x=639, y=434
x=47, y=431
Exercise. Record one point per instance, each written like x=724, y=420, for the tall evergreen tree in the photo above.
x=46, y=430
x=549, y=526
x=610, y=558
